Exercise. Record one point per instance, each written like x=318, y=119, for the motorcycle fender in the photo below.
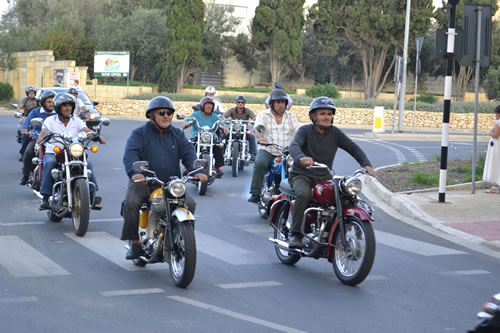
x=358, y=212
x=274, y=209
x=182, y=214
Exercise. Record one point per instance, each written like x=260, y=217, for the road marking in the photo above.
x=130, y=292
x=414, y=246
x=112, y=249
x=467, y=272
x=258, y=229
x=14, y=224
x=400, y=157
x=249, y=285
x=18, y=300
x=22, y=260
x=376, y=278
x=415, y=152
x=236, y=315
x=227, y=252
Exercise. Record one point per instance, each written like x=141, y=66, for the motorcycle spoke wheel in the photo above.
x=81, y=207
x=284, y=256
x=183, y=254
x=353, y=263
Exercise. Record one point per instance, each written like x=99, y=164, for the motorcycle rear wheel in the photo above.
x=352, y=265
x=234, y=158
x=284, y=256
x=81, y=207
x=183, y=255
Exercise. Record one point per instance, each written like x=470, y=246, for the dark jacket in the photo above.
x=36, y=113
x=163, y=151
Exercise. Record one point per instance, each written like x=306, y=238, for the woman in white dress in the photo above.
x=491, y=172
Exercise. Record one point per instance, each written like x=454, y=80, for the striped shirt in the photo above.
x=280, y=134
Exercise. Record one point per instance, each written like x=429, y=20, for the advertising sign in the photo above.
x=111, y=63
x=59, y=78
x=73, y=79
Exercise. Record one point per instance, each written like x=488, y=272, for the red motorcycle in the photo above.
x=336, y=226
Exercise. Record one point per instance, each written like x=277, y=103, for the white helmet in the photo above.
x=210, y=90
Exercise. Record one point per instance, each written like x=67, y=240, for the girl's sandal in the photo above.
x=494, y=190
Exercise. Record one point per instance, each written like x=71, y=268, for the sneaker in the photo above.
x=295, y=242
x=97, y=201
x=23, y=180
x=134, y=251
x=254, y=198
x=44, y=203
x=20, y=158
x=219, y=173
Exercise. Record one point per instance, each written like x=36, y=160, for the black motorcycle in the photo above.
x=237, y=152
x=489, y=318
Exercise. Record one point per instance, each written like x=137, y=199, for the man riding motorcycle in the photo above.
x=163, y=146
x=243, y=113
x=280, y=125
x=63, y=123
x=45, y=110
x=211, y=92
x=317, y=142
x=206, y=117
x=80, y=109
x=27, y=104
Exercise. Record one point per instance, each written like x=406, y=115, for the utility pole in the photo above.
x=402, y=96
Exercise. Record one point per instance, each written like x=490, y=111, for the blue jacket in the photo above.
x=162, y=151
x=36, y=113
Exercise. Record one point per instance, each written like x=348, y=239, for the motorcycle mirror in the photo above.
x=105, y=121
x=260, y=128
x=96, y=103
x=35, y=122
x=180, y=116
x=140, y=166
x=200, y=163
x=18, y=114
x=13, y=105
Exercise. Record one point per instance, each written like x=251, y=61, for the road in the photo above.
x=53, y=281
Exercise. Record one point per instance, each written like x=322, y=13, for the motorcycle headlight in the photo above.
x=206, y=137
x=76, y=149
x=177, y=188
x=352, y=186
x=289, y=160
x=237, y=127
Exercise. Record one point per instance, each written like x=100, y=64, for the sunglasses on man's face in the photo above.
x=168, y=113
x=240, y=102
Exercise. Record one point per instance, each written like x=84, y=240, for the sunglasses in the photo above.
x=168, y=113
x=239, y=102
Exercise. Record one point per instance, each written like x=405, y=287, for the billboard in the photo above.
x=111, y=63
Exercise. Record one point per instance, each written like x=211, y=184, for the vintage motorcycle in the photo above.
x=166, y=226
x=237, y=150
x=71, y=194
x=336, y=226
x=204, y=143
x=489, y=318
x=35, y=176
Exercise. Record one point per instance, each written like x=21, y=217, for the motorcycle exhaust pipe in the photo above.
x=284, y=246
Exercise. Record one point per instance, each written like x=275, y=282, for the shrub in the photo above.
x=425, y=98
x=424, y=178
x=6, y=91
x=328, y=90
x=492, y=83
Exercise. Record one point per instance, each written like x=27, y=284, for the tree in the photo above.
x=374, y=28
x=184, y=43
x=277, y=31
x=246, y=54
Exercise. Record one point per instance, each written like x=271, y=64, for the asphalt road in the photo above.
x=52, y=281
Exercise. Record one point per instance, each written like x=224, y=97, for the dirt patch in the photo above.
x=396, y=178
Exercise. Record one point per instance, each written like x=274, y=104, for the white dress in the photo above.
x=491, y=172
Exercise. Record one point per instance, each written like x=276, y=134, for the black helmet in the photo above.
x=72, y=91
x=30, y=88
x=64, y=98
x=278, y=95
x=160, y=102
x=278, y=85
x=205, y=100
x=46, y=94
x=241, y=98
x=321, y=102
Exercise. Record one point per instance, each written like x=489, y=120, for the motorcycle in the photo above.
x=35, y=176
x=237, y=151
x=489, y=318
x=204, y=143
x=71, y=195
x=166, y=226
x=336, y=226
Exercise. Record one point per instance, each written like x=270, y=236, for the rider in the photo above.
x=45, y=110
x=243, y=113
x=163, y=146
x=64, y=123
x=278, y=85
x=280, y=125
x=211, y=92
x=206, y=117
x=80, y=109
x=27, y=104
x=317, y=142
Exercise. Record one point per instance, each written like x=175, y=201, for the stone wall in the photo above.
x=344, y=116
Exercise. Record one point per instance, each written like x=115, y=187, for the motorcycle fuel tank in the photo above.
x=324, y=193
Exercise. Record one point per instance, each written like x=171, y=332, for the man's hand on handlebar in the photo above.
x=370, y=171
x=306, y=161
x=139, y=178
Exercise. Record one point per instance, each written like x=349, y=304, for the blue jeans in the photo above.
x=49, y=163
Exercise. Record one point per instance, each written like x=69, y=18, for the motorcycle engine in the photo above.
x=266, y=197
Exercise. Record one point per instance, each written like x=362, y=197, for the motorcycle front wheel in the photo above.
x=281, y=233
x=81, y=207
x=183, y=254
x=353, y=264
x=234, y=158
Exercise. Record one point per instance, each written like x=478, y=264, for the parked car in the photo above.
x=89, y=104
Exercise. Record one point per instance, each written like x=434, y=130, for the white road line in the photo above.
x=22, y=260
x=236, y=315
x=467, y=272
x=112, y=249
x=15, y=224
x=412, y=150
x=227, y=252
x=400, y=157
x=132, y=292
x=249, y=285
x=414, y=246
x=18, y=300
x=376, y=278
x=258, y=229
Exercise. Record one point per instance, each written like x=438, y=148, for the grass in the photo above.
x=424, y=178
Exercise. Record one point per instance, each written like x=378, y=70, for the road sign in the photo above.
x=470, y=35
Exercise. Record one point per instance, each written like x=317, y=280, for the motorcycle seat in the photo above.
x=286, y=188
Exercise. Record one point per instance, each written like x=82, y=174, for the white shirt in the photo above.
x=78, y=106
x=53, y=124
x=280, y=134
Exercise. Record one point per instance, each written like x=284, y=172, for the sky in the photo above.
x=4, y=6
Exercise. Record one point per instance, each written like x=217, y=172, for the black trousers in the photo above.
x=28, y=155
